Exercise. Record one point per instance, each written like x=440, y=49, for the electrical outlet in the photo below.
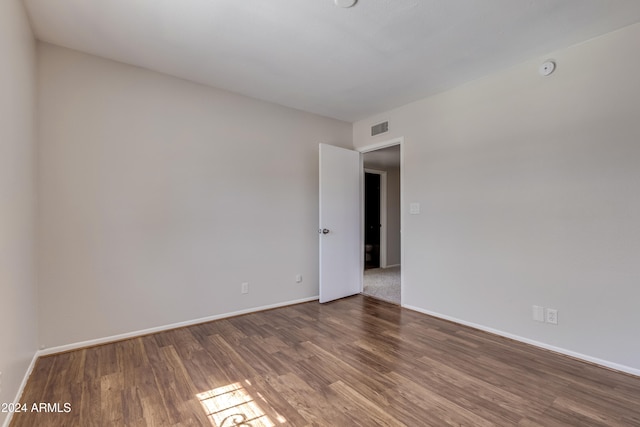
x=244, y=288
x=552, y=316
x=299, y=278
x=538, y=313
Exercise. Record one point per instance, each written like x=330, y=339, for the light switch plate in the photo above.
x=538, y=313
x=414, y=208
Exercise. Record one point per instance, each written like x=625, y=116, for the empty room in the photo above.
x=182, y=213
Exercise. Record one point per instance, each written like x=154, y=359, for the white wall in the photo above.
x=530, y=194
x=160, y=196
x=18, y=335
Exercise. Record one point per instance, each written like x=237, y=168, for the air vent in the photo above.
x=379, y=128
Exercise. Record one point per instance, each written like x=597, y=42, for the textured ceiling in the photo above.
x=311, y=55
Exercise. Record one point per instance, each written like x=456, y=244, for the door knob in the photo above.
x=324, y=231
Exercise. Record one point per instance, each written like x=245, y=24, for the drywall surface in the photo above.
x=159, y=197
x=18, y=334
x=529, y=194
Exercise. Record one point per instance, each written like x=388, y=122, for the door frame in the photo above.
x=373, y=147
x=382, y=194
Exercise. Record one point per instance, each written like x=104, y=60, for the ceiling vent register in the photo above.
x=379, y=128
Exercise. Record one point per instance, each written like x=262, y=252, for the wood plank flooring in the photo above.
x=354, y=362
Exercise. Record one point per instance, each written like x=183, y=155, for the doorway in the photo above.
x=382, y=217
x=372, y=217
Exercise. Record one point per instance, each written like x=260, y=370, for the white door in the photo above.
x=340, y=252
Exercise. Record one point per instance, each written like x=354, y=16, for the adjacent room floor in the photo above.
x=383, y=283
x=355, y=361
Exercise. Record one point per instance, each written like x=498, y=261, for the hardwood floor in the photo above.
x=356, y=361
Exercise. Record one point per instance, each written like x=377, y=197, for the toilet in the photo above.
x=367, y=252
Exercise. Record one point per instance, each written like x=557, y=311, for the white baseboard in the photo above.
x=392, y=265
x=127, y=335
x=584, y=357
x=23, y=384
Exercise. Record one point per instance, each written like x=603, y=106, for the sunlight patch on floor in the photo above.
x=232, y=405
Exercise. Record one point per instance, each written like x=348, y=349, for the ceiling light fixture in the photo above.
x=345, y=3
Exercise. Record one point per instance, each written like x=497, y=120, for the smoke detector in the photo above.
x=547, y=68
x=345, y=3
